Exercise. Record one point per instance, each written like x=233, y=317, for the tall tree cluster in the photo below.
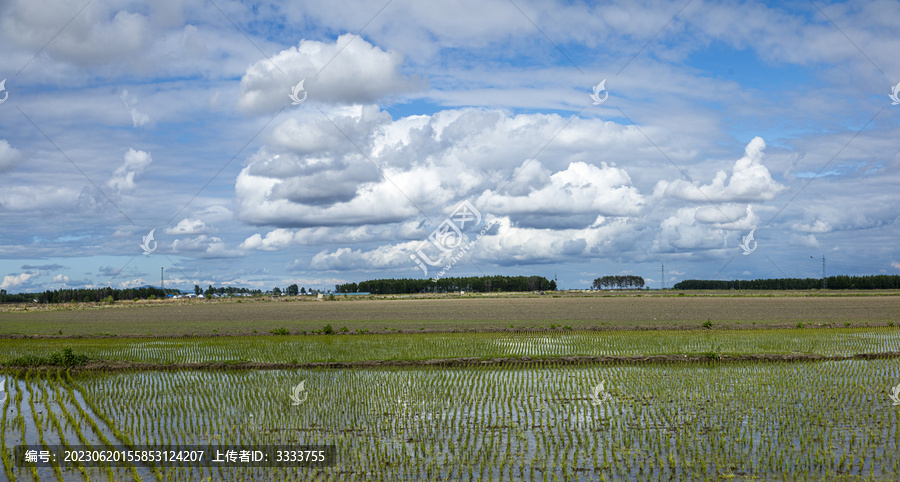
x=618, y=282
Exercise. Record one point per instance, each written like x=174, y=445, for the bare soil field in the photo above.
x=446, y=314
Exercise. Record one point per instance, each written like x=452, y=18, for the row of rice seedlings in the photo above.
x=38, y=419
x=5, y=451
x=57, y=395
x=20, y=417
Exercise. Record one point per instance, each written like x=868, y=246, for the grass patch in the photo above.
x=64, y=358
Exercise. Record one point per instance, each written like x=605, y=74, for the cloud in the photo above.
x=9, y=156
x=36, y=197
x=580, y=188
x=750, y=181
x=281, y=238
x=13, y=281
x=61, y=278
x=309, y=175
x=818, y=226
x=109, y=271
x=43, y=267
x=387, y=256
x=204, y=246
x=135, y=163
x=348, y=71
x=93, y=35
x=188, y=226
x=138, y=118
x=808, y=241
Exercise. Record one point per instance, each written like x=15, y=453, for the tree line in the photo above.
x=618, y=282
x=86, y=295
x=444, y=285
x=96, y=295
x=874, y=282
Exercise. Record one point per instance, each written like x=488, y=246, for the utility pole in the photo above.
x=162, y=278
x=662, y=282
x=824, y=281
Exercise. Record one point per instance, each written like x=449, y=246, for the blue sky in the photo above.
x=722, y=118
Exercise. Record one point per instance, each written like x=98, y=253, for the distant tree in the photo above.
x=293, y=290
x=276, y=291
x=197, y=290
x=302, y=290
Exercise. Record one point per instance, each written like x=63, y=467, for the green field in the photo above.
x=707, y=387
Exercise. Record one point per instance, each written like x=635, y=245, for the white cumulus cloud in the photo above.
x=750, y=181
x=135, y=162
x=12, y=281
x=348, y=71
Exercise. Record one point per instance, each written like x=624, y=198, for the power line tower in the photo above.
x=162, y=278
x=824, y=281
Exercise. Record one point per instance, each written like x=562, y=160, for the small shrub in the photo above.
x=712, y=355
x=552, y=326
x=847, y=323
x=344, y=329
x=707, y=324
x=328, y=329
x=891, y=324
x=279, y=331
x=800, y=324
